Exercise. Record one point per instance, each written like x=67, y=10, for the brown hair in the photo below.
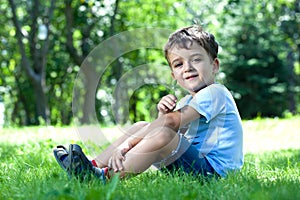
x=184, y=38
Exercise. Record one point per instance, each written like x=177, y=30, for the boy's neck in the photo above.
x=193, y=94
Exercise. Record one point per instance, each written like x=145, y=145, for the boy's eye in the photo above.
x=177, y=65
x=196, y=60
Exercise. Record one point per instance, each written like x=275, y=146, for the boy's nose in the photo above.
x=188, y=66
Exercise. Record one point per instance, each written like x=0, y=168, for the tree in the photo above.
x=34, y=52
x=259, y=56
x=82, y=20
x=254, y=57
x=289, y=23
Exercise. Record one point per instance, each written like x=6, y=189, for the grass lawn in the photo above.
x=271, y=171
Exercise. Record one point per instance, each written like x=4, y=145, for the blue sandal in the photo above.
x=61, y=153
x=75, y=163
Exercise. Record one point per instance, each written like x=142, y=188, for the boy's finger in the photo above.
x=162, y=107
x=170, y=105
x=110, y=163
x=172, y=97
x=113, y=165
x=119, y=165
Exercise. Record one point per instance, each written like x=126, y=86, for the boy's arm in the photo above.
x=186, y=115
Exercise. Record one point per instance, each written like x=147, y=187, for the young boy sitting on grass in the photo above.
x=212, y=143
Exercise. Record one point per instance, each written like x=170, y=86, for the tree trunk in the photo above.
x=90, y=86
x=291, y=83
x=42, y=109
x=34, y=64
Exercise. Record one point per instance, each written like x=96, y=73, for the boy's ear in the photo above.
x=216, y=65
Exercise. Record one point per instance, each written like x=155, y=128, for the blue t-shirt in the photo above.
x=218, y=133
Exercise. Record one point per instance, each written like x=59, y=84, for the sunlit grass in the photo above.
x=271, y=134
x=29, y=170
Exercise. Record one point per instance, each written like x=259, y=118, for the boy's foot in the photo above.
x=75, y=163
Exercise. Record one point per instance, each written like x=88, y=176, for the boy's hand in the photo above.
x=116, y=161
x=118, y=157
x=167, y=104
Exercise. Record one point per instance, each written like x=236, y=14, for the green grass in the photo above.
x=29, y=171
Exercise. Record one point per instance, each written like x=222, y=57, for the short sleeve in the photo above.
x=183, y=102
x=210, y=101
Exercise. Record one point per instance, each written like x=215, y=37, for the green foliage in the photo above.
x=259, y=54
x=256, y=73
x=143, y=102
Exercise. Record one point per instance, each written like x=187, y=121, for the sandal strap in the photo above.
x=76, y=163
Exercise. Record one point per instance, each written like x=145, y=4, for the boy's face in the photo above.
x=193, y=68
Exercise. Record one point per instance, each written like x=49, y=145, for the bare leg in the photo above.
x=149, y=150
x=103, y=157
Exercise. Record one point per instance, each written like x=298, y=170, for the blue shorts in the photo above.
x=187, y=158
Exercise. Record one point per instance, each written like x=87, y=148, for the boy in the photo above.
x=202, y=135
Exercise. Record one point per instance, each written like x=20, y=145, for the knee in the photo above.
x=141, y=124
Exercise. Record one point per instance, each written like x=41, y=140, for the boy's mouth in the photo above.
x=191, y=77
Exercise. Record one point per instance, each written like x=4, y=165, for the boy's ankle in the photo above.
x=104, y=170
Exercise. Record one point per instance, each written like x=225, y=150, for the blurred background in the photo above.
x=44, y=42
